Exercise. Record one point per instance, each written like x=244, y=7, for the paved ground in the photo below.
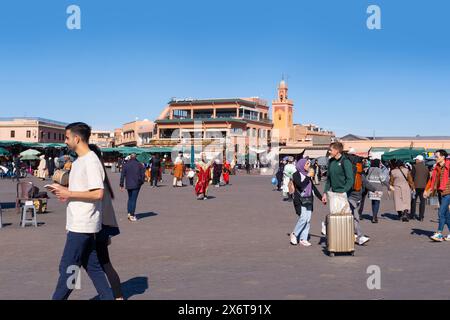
x=233, y=246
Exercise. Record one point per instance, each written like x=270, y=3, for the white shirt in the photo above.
x=87, y=174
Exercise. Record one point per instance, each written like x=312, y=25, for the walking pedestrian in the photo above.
x=42, y=168
x=420, y=175
x=203, y=169
x=376, y=177
x=133, y=174
x=440, y=182
x=226, y=171
x=155, y=170
x=402, y=185
x=288, y=171
x=279, y=174
x=217, y=172
x=84, y=196
x=340, y=179
x=303, y=201
x=110, y=228
x=178, y=170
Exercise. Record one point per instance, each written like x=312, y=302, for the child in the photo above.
x=191, y=175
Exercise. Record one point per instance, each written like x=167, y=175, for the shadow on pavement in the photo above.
x=8, y=205
x=421, y=232
x=132, y=287
x=390, y=216
x=145, y=215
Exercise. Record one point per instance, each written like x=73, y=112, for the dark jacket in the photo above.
x=340, y=177
x=420, y=175
x=133, y=173
x=300, y=186
x=155, y=163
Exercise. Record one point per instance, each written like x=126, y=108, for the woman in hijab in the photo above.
x=303, y=201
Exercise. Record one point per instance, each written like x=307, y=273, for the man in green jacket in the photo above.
x=340, y=179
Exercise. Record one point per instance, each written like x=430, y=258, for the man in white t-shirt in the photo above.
x=84, y=206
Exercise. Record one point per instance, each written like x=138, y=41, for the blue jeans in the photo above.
x=80, y=251
x=444, y=213
x=303, y=224
x=132, y=199
x=375, y=207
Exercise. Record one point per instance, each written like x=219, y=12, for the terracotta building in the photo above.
x=134, y=134
x=32, y=129
x=237, y=124
x=103, y=139
x=362, y=145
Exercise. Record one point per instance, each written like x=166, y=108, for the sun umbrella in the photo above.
x=29, y=152
x=4, y=152
x=29, y=157
x=143, y=157
x=404, y=154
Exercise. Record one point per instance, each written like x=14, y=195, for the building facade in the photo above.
x=134, y=134
x=103, y=139
x=32, y=129
x=363, y=144
x=238, y=124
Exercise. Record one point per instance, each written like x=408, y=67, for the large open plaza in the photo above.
x=234, y=245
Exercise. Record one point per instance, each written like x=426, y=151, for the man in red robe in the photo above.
x=226, y=171
x=203, y=178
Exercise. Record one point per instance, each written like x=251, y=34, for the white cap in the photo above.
x=419, y=157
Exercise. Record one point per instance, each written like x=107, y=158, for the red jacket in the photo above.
x=435, y=176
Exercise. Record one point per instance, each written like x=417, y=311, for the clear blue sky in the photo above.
x=131, y=57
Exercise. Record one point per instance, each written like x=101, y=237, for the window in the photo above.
x=42, y=134
x=28, y=134
x=54, y=136
x=48, y=135
x=237, y=131
x=13, y=133
x=279, y=117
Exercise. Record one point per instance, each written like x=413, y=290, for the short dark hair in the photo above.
x=442, y=152
x=81, y=129
x=338, y=146
x=375, y=163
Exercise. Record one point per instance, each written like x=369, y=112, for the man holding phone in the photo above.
x=84, y=196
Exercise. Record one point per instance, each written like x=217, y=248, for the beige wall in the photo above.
x=38, y=131
x=364, y=145
x=132, y=133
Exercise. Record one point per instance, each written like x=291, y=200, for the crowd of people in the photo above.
x=91, y=220
x=360, y=179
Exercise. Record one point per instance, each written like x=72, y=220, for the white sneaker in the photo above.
x=294, y=240
x=324, y=229
x=305, y=243
x=132, y=218
x=362, y=240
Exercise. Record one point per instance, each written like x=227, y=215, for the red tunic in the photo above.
x=204, y=176
x=226, y=172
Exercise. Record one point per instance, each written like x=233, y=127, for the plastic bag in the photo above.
x=274, y=181
x=338, y=203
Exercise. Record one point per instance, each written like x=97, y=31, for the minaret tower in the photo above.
x=282, y=113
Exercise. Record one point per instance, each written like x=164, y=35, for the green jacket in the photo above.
x=340, y=177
